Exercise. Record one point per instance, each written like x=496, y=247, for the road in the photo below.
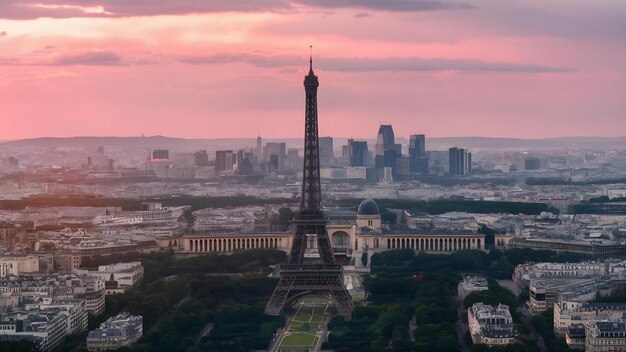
x=166, y=313
x=509, y=285
x=526, y=315
x=461, y=327
x=207, y=330
x=412, y=327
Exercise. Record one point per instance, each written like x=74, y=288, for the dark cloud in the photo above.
x=104, y=58
x=19, y=9
x=389, y=5
x=3, y=34
x=559, y=18
x=412, y=64
x=361, y=15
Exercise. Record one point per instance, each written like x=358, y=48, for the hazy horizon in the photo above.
x=299, y=137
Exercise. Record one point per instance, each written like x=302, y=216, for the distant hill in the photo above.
x=474, y=143
x=573, y=143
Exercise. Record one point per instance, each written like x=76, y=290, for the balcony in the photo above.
x=342, y=248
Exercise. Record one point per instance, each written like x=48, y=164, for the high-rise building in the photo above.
x=358, y=153
x=346, y=149
x=419, y=165
x=243, y=162
x=259, y=148
x=294, y=162
x=158, y=155
x=454, y=161
x=388, y=159
x=403, y=167
x=417, y=145
x=279, y=150
x=224, y=160
x=460, y=161
x=386, y=140
x=201, y=158
x=387, y=151
x=417, y=154
x=438, y=162
x=532, y=164
x=273, y=164
x=326, y=148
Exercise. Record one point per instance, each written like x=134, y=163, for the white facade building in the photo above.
x=126, y=274
x=605, y=336
x=116, y=332
x=472, y=283
x=491, y=325
x=18, y=265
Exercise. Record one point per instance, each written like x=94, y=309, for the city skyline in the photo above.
x=521, y=70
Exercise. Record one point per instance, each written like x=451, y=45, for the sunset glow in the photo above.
x=526, y=69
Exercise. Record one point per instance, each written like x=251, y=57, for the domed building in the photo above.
x=351, y=234
x=368, y=207
x=368, y=215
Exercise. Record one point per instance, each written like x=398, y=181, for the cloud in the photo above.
x=105, y=58
x=92, y=58
x=18, y=9
x=419, y=65
x=389, y=5
x=3, y=34
x=361, y=15
x=252, y=59
x=410, y=64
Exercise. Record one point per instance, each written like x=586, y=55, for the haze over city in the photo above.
x=525, y=69
x=308, y=176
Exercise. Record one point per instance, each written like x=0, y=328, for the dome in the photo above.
x=368, y=207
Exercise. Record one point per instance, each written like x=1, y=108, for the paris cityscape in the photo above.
x=280, y=176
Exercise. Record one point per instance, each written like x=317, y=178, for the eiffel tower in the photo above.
x=311, y=267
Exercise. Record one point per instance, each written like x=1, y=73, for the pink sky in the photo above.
x=223, y=68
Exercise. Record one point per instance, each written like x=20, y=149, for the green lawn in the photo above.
x=302, y=329
x=299, y=339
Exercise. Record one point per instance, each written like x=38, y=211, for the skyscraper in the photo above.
x=417, y=145
x=358, y=153
x=201, y=158
x=387, y=151
x=417, y=154
x=243, y=162
x=460, y=161
x=259, y=148
x=326, y=148
x=223, y=161
x=532, y=164
x=386, y=140
x=279, y=151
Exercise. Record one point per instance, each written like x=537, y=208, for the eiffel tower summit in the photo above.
x=311, y=267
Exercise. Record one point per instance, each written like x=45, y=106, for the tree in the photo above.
x=285, y=215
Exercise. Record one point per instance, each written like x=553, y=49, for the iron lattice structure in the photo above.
x=320, y=274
